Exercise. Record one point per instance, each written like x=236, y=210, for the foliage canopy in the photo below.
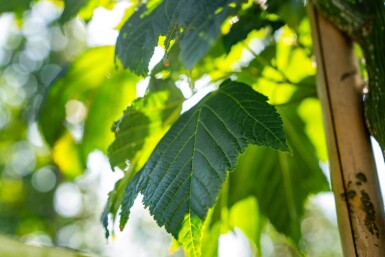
x=247, y=142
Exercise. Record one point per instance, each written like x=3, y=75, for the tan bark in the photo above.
x=359, y=204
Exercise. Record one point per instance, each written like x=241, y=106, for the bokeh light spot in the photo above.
x=68, y=200
x=44, y=179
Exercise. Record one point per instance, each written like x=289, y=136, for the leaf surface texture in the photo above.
x=185, y=172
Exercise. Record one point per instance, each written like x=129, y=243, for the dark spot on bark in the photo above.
x=358, y=183
x=347, y=75
x=370, y=217
x=361, y=176
x=351, y=194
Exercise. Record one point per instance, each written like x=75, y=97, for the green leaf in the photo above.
x=195, y=24
x=138, y=131
x=290, y=11
x=106, y=106
x=144, y=123
x=78, y=82
x=253, y=18
x=71, y=9
x=252, y=226
x=17, y=6
x=185, y=172
x=281, y=183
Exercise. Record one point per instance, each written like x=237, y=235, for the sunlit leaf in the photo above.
x=78, y=82
x=107, y=106
x=195, y=24
x=252, y=226
x=281, y=183
x=66, y=156
x=290, y=11
x=138, y=131
x=185, y=172
x=144, y=123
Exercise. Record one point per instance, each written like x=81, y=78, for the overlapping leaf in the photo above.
x=185, y=172
x=196, y=25
x=95, y=89
x=138, y=131
x=281, y=183
x=144, y=123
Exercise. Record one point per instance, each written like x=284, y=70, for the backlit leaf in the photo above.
x=138, y=131
x=107, y=106
x=195, y=24
x=280, y=182
x=77, y=82
x=185, y=172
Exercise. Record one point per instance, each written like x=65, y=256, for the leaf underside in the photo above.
x=185, y=172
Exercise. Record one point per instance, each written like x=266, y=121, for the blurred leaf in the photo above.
x=291, y=179
x=85, y=8
x=310, y=112
x=290, y=11
x=66, y=156
x=71, y=9
x=253, y=18
x=185, y=172
x=78, y=82
x=107, y=106
x=210, y=237
x=16, y=6
x=292, y=60
x=95, y=88
x=252, y=226
x=11, y=190
x=196, y=24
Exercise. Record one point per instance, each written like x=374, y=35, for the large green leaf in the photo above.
x=138, y=131
x=280, y=182
x=185, y=172
x=195, y=24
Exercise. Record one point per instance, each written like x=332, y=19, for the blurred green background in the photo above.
x=53, y=187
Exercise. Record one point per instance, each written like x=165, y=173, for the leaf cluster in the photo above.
x=249, y=148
